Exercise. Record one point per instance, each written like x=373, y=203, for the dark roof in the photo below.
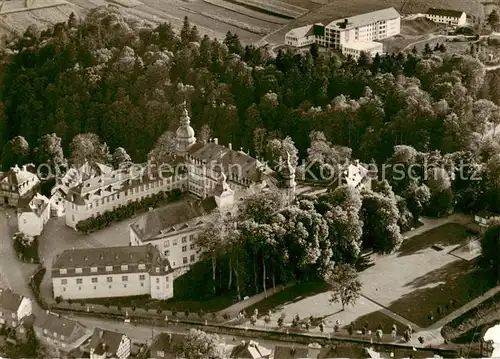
x=232, y=162
x=55, y=323
x=172, y=218
x=336, y=351
x=290, y=352
x=444, y=12
x=10, y=300
x=486, y=214
x=251, y=350
x=165, y=342
x=101, y=257
x=105, y=341
x=35, y=203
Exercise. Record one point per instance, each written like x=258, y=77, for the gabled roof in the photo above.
x=444, y=12
x=55, y=323
x=251, y=350
x=165, y=342
x=105, y=341
x=115, y=257
x=16, y=176
x=10, y=300
x=173, y=217
x=282, y=352
x=37, y=204
x=487, y=214
x=337, y=351
x=365, y=19
x=302, y=31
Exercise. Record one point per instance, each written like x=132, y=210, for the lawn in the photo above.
x=446, y=235
x=292, y=294
x=440, y=292
x=375, y=320
x=208, y=306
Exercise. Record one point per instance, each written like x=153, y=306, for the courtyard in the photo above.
x=419, y=285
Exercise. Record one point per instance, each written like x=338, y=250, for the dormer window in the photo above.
x=124, y=267
x=78, y=270
x=142, y=266
x=93, y=269
x=63, y=271
x=157, y=269
x=109, y=268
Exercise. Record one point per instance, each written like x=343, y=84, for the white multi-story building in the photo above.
x=195, y=168
x=108, y=344
x=447, y=16
x=112, y=272
x=174, y=229
x=343, y=34
x=33, y=214
x=355, y=48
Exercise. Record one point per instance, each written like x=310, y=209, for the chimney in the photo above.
x=230, y=146
x=356, y=162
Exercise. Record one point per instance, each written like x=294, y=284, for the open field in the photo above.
x=246, y=12
x=241, y=25
x=273, y=6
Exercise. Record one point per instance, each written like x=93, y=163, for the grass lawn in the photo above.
x=288, y=295
x=446, y=235
x=440, y=292
x=208, y=306
x=376, y=319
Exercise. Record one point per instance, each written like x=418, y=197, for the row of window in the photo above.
x=142, y=277
x=13, y=315
x=184, y=239
x=124, y=268
x=46, y=332
x=125, y=286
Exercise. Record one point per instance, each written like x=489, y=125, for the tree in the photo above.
x=164, y=147
x=88, y=147
x=493, y=20
x=120, y=157
x=344, y=283
x=49, y=151
x=427, y=50
x=314, y=50
x=15, y=152
x=490, y=245
x=200, y=345
x=185, y=30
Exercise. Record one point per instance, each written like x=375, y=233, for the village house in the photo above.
x=112, y=272
x=250, y=349
x=164, y=346
x=108, y=344
x=484, y=218
x=13, y=308
x=32, y=214
x=59, y=332
x=447, y=16
x=17, y=183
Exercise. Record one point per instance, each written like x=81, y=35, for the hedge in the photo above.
x=124, y=212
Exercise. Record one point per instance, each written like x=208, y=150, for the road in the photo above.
x=143, y=333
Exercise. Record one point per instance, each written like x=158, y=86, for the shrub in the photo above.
x=201, y=313
x=253, y=319
x=226, y=316
x=159, y=311
x=119, y=307
x=186, y=313
x=70, y=301
x=174, y=312
x=214, y=315
x=267, y=319
x=58, y=299
x=146, y=307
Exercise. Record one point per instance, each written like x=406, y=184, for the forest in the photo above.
x=110, y=88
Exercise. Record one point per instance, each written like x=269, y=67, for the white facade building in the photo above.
x=108, y=344
x=32, y=215
x=13, y=308
x=195, y=168
x=447, y=16
x=355, y=48
x=342, y=34
x=112, y=272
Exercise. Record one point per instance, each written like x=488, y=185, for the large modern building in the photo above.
x=195, y=168
x=112, y=272
x=350, y=35
x=447, y=16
